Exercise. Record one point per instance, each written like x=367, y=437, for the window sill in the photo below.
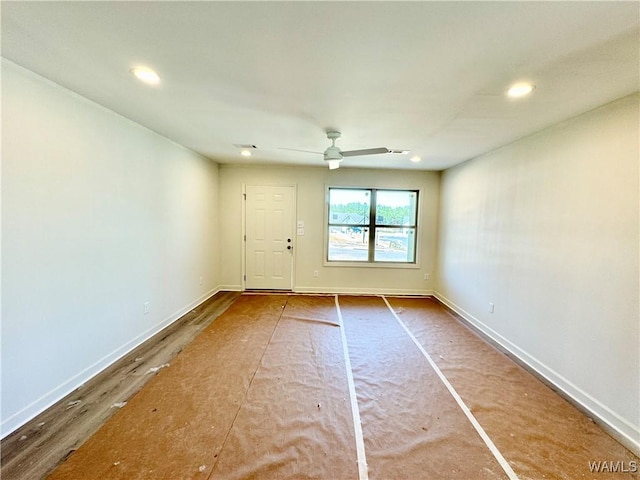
x=326, y=263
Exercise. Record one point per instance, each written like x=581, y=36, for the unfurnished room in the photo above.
x=320, y=240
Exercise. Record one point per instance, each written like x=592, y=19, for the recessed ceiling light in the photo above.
x=520, y=90
x=415, y=159
x=146, y=75
x=246, y=149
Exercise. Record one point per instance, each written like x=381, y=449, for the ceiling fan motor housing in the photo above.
x=332, y=153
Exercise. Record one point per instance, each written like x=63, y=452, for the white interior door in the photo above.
x=269, y=237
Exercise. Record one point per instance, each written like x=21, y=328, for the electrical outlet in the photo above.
x=315, y=273
x=201, y=279
x=491, y=307
x=146, y=307
x=426, y=276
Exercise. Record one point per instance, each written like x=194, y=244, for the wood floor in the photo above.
x=35, y=449
x=301, y=386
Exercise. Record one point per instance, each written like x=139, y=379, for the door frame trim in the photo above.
x=243, y=236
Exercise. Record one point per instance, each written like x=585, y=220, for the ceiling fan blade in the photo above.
x=366, y=151
x=298, y=150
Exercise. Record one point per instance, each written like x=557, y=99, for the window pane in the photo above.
x=396, y=207
x=395, y=245
x=349, y=206
x=349, y=244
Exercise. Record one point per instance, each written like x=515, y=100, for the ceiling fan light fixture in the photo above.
x=334, y=164
x=245, y=152
x=415, y=159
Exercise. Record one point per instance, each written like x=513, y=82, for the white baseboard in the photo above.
x=363, y=291
x=620, y=428
x=21, y=417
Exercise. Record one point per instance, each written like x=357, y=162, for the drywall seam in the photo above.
x=620, y=428
x=21, y=417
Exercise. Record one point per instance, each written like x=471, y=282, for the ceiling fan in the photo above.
x=333, y=155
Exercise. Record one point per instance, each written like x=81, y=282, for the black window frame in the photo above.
x=373, y=226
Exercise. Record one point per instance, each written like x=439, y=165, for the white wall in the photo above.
x=99, y=215
x=311, y=185
x=547, y=229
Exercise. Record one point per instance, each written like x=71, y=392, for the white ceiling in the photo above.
x=429, y=77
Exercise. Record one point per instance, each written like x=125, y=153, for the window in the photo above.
x=372, y=225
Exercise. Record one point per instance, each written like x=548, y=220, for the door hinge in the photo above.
x=245, y=277
x=244, y=195
x=245, y=238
